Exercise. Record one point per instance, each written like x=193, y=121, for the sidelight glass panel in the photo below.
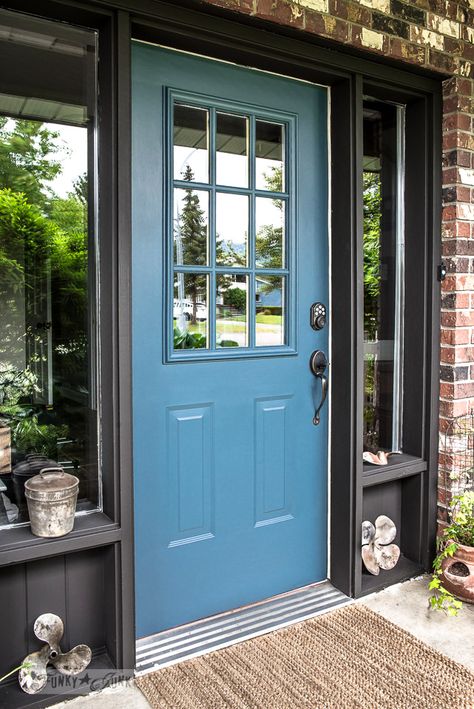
x=383, y=275
x=232, y=223
x=269, y=156
x=48, y=255
x=269, y=233
x=231, y=150
x=270, y=310
x=231, y=310
x=190, y=143
x=190, y=311
x=191, y=227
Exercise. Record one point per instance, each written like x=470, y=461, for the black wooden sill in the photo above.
x=399, y=466
x=18, y=544
x=405, y=569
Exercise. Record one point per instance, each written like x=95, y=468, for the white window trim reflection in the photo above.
x=398, y=345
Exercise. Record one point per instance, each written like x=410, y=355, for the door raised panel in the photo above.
x=190, y=467
x=272, y=458
x=75, y=587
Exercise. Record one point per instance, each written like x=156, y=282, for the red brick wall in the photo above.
x=435, y=34
x=457, y=296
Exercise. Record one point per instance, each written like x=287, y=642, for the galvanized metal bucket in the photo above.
x=51, y=498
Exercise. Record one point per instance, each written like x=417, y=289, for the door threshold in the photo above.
x=218, y=631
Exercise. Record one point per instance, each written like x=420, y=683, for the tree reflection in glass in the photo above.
x=383, y=254
x=270, y=233
x=46, y=402
x=372, y=219
x=232, y=221
x=269, y=310
x=228, y=225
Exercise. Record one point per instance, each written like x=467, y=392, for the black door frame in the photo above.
x=220, y=34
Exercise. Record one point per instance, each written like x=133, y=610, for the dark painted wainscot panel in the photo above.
x=77, y=588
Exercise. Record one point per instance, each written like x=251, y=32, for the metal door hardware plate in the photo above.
x=318, y=316
x=318, y=363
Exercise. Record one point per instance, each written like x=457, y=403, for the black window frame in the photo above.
x=414, y=472
x=220, y=34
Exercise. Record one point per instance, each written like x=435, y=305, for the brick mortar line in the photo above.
x=391, y=16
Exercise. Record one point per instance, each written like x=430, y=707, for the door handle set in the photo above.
x=318, y=363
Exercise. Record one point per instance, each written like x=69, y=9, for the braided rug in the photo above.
x=351, y=658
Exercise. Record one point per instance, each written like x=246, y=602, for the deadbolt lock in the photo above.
x=318, y=316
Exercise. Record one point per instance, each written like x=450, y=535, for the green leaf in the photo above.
x=228, y=343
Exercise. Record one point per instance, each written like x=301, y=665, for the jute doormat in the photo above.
x=351, y=658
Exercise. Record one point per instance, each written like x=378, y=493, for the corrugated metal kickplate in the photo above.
x=218, y=631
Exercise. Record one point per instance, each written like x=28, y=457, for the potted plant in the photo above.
x=453, y=568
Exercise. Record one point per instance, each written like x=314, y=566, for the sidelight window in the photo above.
x=48, y=255
x=230, y=212
x=384, y=256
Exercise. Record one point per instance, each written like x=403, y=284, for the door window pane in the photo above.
x=269, y=153
x=190, y=311
x=48, y=376
x=269, y=310
x=232, y=222
x=231, y=310
x=227, y=233
x=190, y=143
x=232, y=150
x=383, y=277
x=269, y=233
x=191, y=227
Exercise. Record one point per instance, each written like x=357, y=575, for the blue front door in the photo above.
x=230, y=203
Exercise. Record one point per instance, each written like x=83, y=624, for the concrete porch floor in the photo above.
x=405, y=604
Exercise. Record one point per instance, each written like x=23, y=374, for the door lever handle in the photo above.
x=318, y=364
x=324, y=393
